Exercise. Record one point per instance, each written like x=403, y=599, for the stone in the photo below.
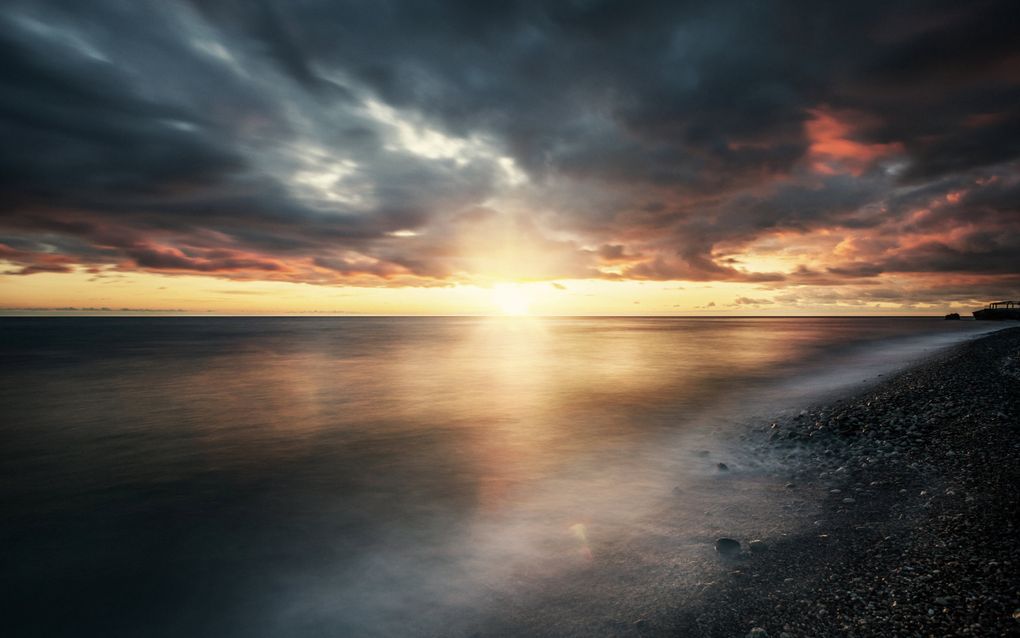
x=727, y=546
x=757, y=546
x=722, y=467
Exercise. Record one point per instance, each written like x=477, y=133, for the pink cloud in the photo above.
x=832, y=147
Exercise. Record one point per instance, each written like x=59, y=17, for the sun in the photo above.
x=511, y=300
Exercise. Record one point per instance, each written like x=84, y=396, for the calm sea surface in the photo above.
x=394, y=476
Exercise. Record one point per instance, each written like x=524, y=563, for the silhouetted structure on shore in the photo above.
x=999, y=311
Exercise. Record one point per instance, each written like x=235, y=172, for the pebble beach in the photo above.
x=918, y=532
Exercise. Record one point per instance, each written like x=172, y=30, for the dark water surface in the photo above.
x=390, y=476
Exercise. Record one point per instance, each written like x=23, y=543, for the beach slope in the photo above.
x=918, y=532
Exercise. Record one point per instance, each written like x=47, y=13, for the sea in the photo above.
x=402, y=476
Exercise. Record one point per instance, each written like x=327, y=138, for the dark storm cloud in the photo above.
x=76, y=126
x=320, y=141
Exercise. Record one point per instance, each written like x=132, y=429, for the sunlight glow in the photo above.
x=511, y=300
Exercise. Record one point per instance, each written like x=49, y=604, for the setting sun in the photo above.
x=511, y=300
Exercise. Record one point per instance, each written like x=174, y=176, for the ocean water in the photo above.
x=398, y=476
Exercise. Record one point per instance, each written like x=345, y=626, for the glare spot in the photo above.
x=511, y=300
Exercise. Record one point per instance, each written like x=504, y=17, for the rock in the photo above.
x=757, y=546
x=727, y=546
x=722, y=467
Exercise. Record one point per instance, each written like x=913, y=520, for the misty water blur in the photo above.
x=393, y=476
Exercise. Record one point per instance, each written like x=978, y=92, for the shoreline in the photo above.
x=916, y=533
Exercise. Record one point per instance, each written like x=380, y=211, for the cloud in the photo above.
x=441, y=142
x=29, y=263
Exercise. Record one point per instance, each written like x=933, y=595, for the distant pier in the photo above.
x=999, y=311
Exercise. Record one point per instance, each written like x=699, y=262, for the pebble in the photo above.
x=727, y=546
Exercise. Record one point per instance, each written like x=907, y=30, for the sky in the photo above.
x=464, y=157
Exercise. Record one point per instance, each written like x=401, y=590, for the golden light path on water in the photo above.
x=506, y=475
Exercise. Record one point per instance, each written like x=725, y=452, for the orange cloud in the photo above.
x=32, y=262
x=832, y=149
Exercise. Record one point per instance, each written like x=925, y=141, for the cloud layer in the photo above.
x=864, y=151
